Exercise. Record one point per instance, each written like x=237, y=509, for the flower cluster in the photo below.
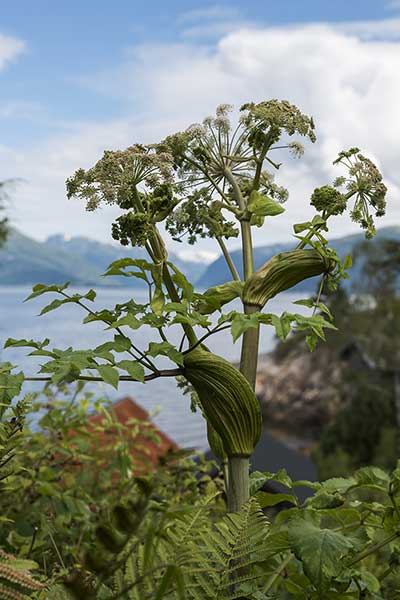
x=266, y=121
x=117, y=173
x=366, y=185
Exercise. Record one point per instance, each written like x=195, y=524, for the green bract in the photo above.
x=215, y=443
x=282, y=272
x=228, y=401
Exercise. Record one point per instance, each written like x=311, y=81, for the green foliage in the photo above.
x=166, y=536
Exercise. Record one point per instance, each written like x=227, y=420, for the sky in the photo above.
x=77, y=78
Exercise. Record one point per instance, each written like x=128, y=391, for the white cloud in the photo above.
x=10, y=48
x=199, y=256
x=348, y=80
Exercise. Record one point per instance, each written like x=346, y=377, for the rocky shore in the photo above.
x=299, y=396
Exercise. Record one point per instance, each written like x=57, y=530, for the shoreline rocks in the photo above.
x=299, y=396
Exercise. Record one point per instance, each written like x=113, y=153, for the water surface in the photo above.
x=64, y=328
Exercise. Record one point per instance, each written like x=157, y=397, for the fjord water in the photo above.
x=64, y=327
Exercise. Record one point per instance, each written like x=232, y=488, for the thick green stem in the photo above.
x=238, y=488
x=249, y=355
x=248, y=261
x=238, y=482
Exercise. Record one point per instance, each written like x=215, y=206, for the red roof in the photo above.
x=150, y=442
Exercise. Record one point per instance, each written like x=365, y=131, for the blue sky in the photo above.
x=67, y=43
x=77, y=77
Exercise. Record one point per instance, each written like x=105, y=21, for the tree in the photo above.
x=3, y=222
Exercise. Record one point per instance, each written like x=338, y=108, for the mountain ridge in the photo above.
x=217, y=272
x=82, y=260
x=79, y=260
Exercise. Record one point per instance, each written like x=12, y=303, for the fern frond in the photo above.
x=223, y=554
x=15, y=579
x=9, y=594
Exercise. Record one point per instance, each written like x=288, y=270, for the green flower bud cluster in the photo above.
x=227, y=400
x=176, y=145
x=328, y=199
x=266, y=121
x=132, y=228
x=199, y=217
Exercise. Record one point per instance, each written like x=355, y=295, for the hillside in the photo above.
x=78, y=260
x=217, y=272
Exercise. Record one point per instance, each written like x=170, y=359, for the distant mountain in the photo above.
x=217, y=272
x=78, y=260
x=82, y=260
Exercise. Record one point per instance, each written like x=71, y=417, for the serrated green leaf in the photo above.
x=103, y=315
x=311, y=341
x=158, y=301
x=282, y=325
x=263, y=206
x=299, y=227
x=271, y=499
x=10, y=387
x=318, y=220
x=348, y=262
x=129, y=320
x=321, y=551
x=134, y=368
x=121, y=343
x=165, y=349
x=216, y=297
x=109, y=375
x=11, y=342
x=242, y=323
x=182, y=282
x=52, y=306
x=90, y=295
x=40, y=289
x=309, y=302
